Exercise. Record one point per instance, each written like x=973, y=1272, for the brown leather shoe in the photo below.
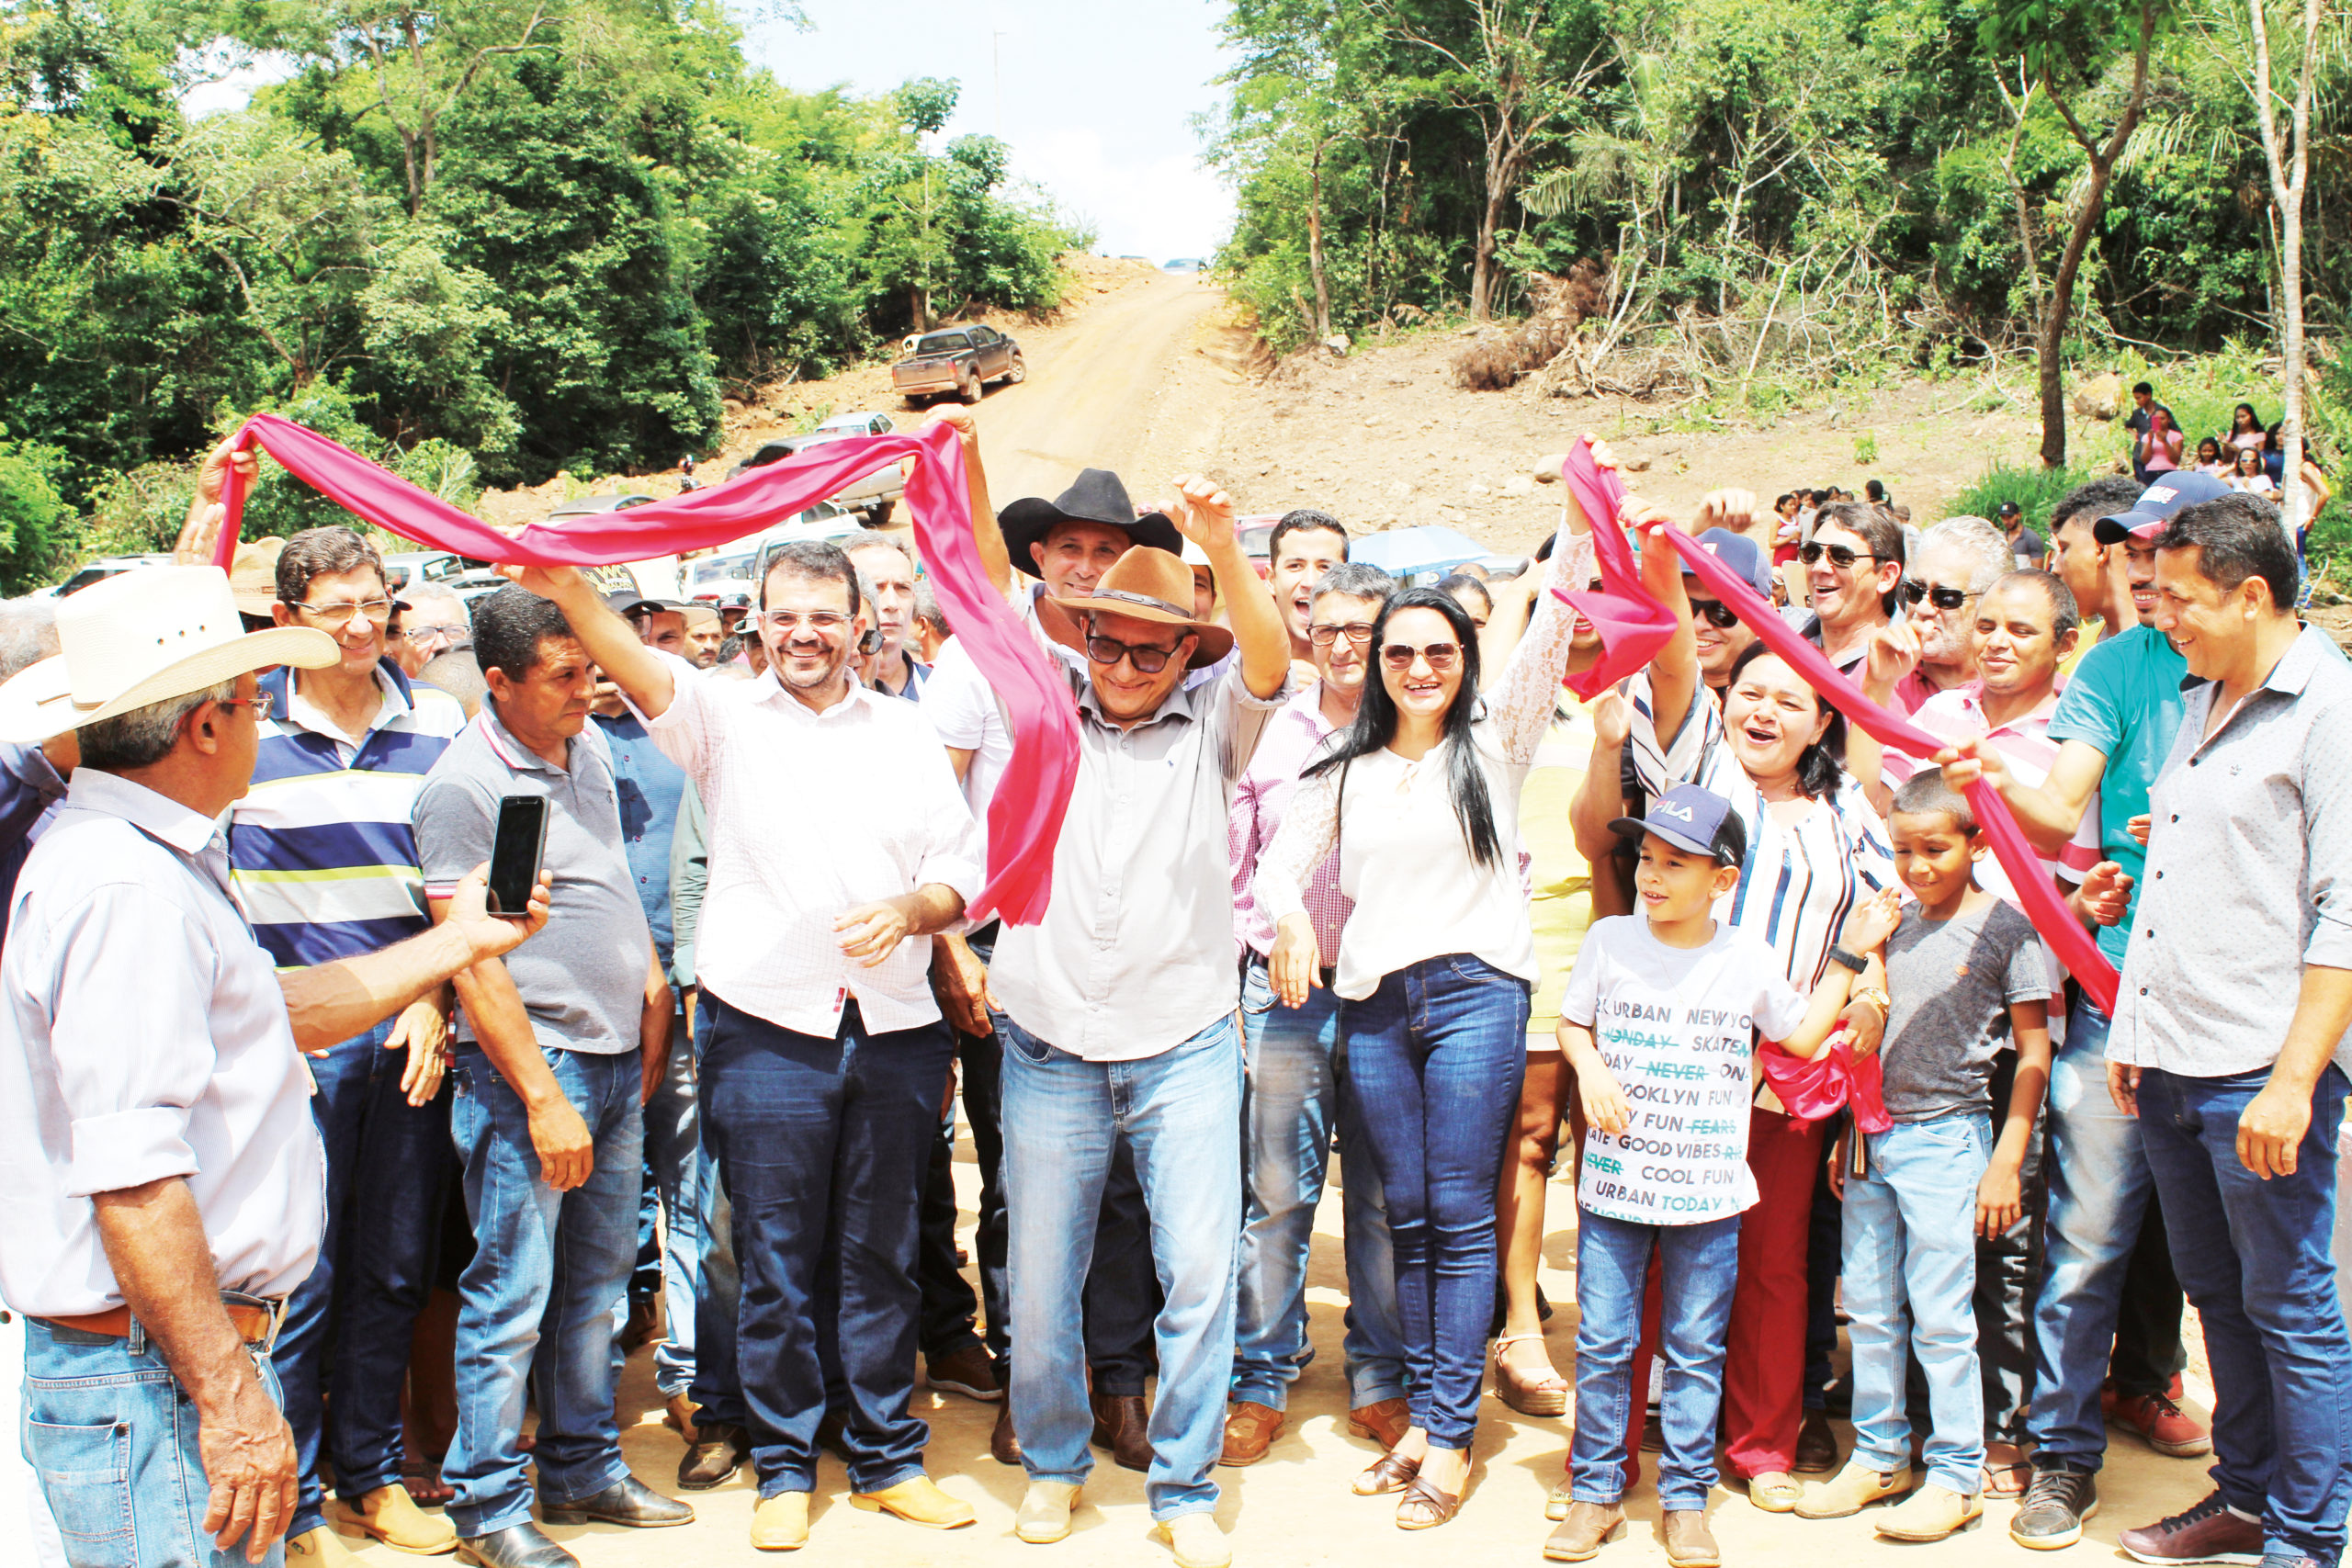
x=716, y=1454
x=1250, y=1431
x=1123, y=1425
x=1816, y=1446
x=969, y=1371
x=1689, y=1542
x=678, y=1416
x=1385, y=1421
x=1004, y=1445
x=1587, y=1528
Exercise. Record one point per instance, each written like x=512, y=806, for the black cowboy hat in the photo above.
x=1096, y=496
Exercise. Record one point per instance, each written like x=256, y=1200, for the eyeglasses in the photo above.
x=1441, y=656
x=260, y=702
x=1840, y=556
x=1715, y=612
x=1147, y=659
x=426, y=634
x=824, y=622
x=342, y=614
x=1942, y=597
x=1356, y=632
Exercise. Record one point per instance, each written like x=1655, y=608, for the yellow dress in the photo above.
x=1562, y=907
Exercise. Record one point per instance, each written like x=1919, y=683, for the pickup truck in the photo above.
x=874, y=496
x=956, y=359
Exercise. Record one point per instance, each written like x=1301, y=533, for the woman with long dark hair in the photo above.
x=2246, y=428
x=1433, y=972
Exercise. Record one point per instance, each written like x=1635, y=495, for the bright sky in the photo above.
x=1097, y=96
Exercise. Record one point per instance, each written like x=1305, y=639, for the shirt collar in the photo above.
x=769, y=689
x=2295, y=670
x=289, y=706
x=518, y=757
x=158, y=815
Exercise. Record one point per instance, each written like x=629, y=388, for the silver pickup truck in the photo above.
x=875, y=495
x=956, y=359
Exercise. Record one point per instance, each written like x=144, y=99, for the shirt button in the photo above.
x=2144, y=990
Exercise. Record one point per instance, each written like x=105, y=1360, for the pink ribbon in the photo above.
x=1809, y=1089
x=1025, y=818
x=1634, y=625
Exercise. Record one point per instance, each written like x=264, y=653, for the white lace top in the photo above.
x=1403, y=858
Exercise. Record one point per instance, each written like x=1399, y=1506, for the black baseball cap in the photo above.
x=1691, y=819
x=2009, y=509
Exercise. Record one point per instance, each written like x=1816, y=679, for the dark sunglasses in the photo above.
x=1147, y=659
x=1840, y=556
x=1942, y=597
x=1715, y=612
x=1441, y=656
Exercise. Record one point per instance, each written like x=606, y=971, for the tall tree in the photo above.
x=2066, y=48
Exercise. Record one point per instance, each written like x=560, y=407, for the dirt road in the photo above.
x=1112, y=389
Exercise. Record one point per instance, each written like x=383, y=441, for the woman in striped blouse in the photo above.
x=1816, y=848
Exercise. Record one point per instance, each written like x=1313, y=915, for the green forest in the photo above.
x=1778, y=191
x=484, y=245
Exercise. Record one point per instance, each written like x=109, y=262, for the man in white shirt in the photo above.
x=828, y=1057
x=1120, y=1015
x=162, y=1185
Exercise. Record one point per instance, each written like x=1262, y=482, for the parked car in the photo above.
x=408, y=567
x=1418, y=557
x=1186, y=264
x=956, y=359
x=875, y=495
x=100, y=570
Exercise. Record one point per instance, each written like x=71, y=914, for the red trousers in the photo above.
x=1764, y=1361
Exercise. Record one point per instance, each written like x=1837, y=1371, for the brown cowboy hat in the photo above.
x=1148, y=585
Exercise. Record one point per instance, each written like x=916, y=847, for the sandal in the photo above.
x=1556, y=1506
x=1388, y=1473
x=2007, y=1470
x=1545, y=1395
x=1441, y=1507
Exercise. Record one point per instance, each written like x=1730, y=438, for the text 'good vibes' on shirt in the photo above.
x=1678, y=1028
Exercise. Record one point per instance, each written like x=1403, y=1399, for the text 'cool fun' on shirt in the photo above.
x=1678, y=1028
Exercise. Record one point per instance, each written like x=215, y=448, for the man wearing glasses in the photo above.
x=325, y=865
x=432, y=621
x=1852, y=565
x=828, y=1058
x=1120, y=1016
x=1294, y=1101
x=1959, y=559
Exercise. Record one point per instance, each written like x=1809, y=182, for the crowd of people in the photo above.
x=334, y=1195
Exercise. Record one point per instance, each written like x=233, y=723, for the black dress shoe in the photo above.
x=714, y=1457
x=1816, y=1446
x=1005, y=1444
x=1123, y=1425
x=516, y=1546
x=627, y=1501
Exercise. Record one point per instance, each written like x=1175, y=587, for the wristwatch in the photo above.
x=1876, y=998
x=1850, y=960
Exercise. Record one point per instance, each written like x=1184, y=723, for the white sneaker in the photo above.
x=1045, y=1512
x=1196, y=1540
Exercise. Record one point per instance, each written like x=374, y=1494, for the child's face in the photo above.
x=1677, y=885
x=1935, y=858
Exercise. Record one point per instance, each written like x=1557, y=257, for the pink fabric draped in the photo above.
x=1025, y=817
x=1633, y=625
x=1812, y=1089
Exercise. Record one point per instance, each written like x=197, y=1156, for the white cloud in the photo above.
x=1158, y=207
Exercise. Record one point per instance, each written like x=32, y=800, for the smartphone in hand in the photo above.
x=514, y=855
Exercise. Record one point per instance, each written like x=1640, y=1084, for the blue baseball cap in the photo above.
x=1691, y=819
x=2169, y=493
x=1741, y=553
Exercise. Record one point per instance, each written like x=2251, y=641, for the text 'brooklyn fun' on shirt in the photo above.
x=1678, y=1028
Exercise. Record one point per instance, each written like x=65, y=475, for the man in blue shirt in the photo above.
x=2115, y=724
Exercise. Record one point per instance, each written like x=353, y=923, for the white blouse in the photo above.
x=1403, y=858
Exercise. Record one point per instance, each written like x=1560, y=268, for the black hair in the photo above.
x=1875, y=528
x=2065, y=615
x=1305, y=520
x=2139, y=387
x=2236, y=536
x=1783, y=500
x=2109, y=497
x=1818, y=768
x=730, y=648
x=509, y=627
x=1454, y=584
x=2253, y=420
x=322, y=552
x=815, y=560
x=1544, y=550
x=1925, y=793
x=1375, y=726
x=1876, y=492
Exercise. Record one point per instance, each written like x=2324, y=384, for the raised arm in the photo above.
x=987, y=537
x=611, y=641
x=1865, y=931
x=1204, y=513
x=1520, y=704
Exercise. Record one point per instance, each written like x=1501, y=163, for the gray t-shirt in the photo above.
x=583, y=978
x=1951, y=983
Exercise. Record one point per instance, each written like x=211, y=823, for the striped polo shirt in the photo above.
x=321, y=848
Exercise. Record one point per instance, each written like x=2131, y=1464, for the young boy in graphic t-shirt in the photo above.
x=1966, y=975
x=1660, y=1022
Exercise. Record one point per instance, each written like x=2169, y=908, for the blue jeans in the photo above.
x=537, y=1301
x=1181, y=1114
x=1910, y=1288
x=1435, y=1058
x=114, y=1441
x=821, y=1145
x=1290, y=1104
x=344, y=1349
x=2255, y=1257
x=716, y=1391
x=673, y=1161
x=2098, y=1189
x=1698, y=1265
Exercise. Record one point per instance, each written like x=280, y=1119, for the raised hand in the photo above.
x=1203, y=512
x=959, y=419
x=1732, y=509
x=1970, y=761
x=547, y=581
x=1894, y=653
x=1612, y=718
x=1872, y=921
x=491, y=935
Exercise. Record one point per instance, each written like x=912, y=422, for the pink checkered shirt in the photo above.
x=1291, y=740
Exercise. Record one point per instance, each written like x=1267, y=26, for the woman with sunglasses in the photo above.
x=1816, y=848
x=1433, y=972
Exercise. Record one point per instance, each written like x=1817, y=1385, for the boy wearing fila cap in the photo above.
x=1660, y=1022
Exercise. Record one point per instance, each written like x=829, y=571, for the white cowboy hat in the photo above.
x=143, y=636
